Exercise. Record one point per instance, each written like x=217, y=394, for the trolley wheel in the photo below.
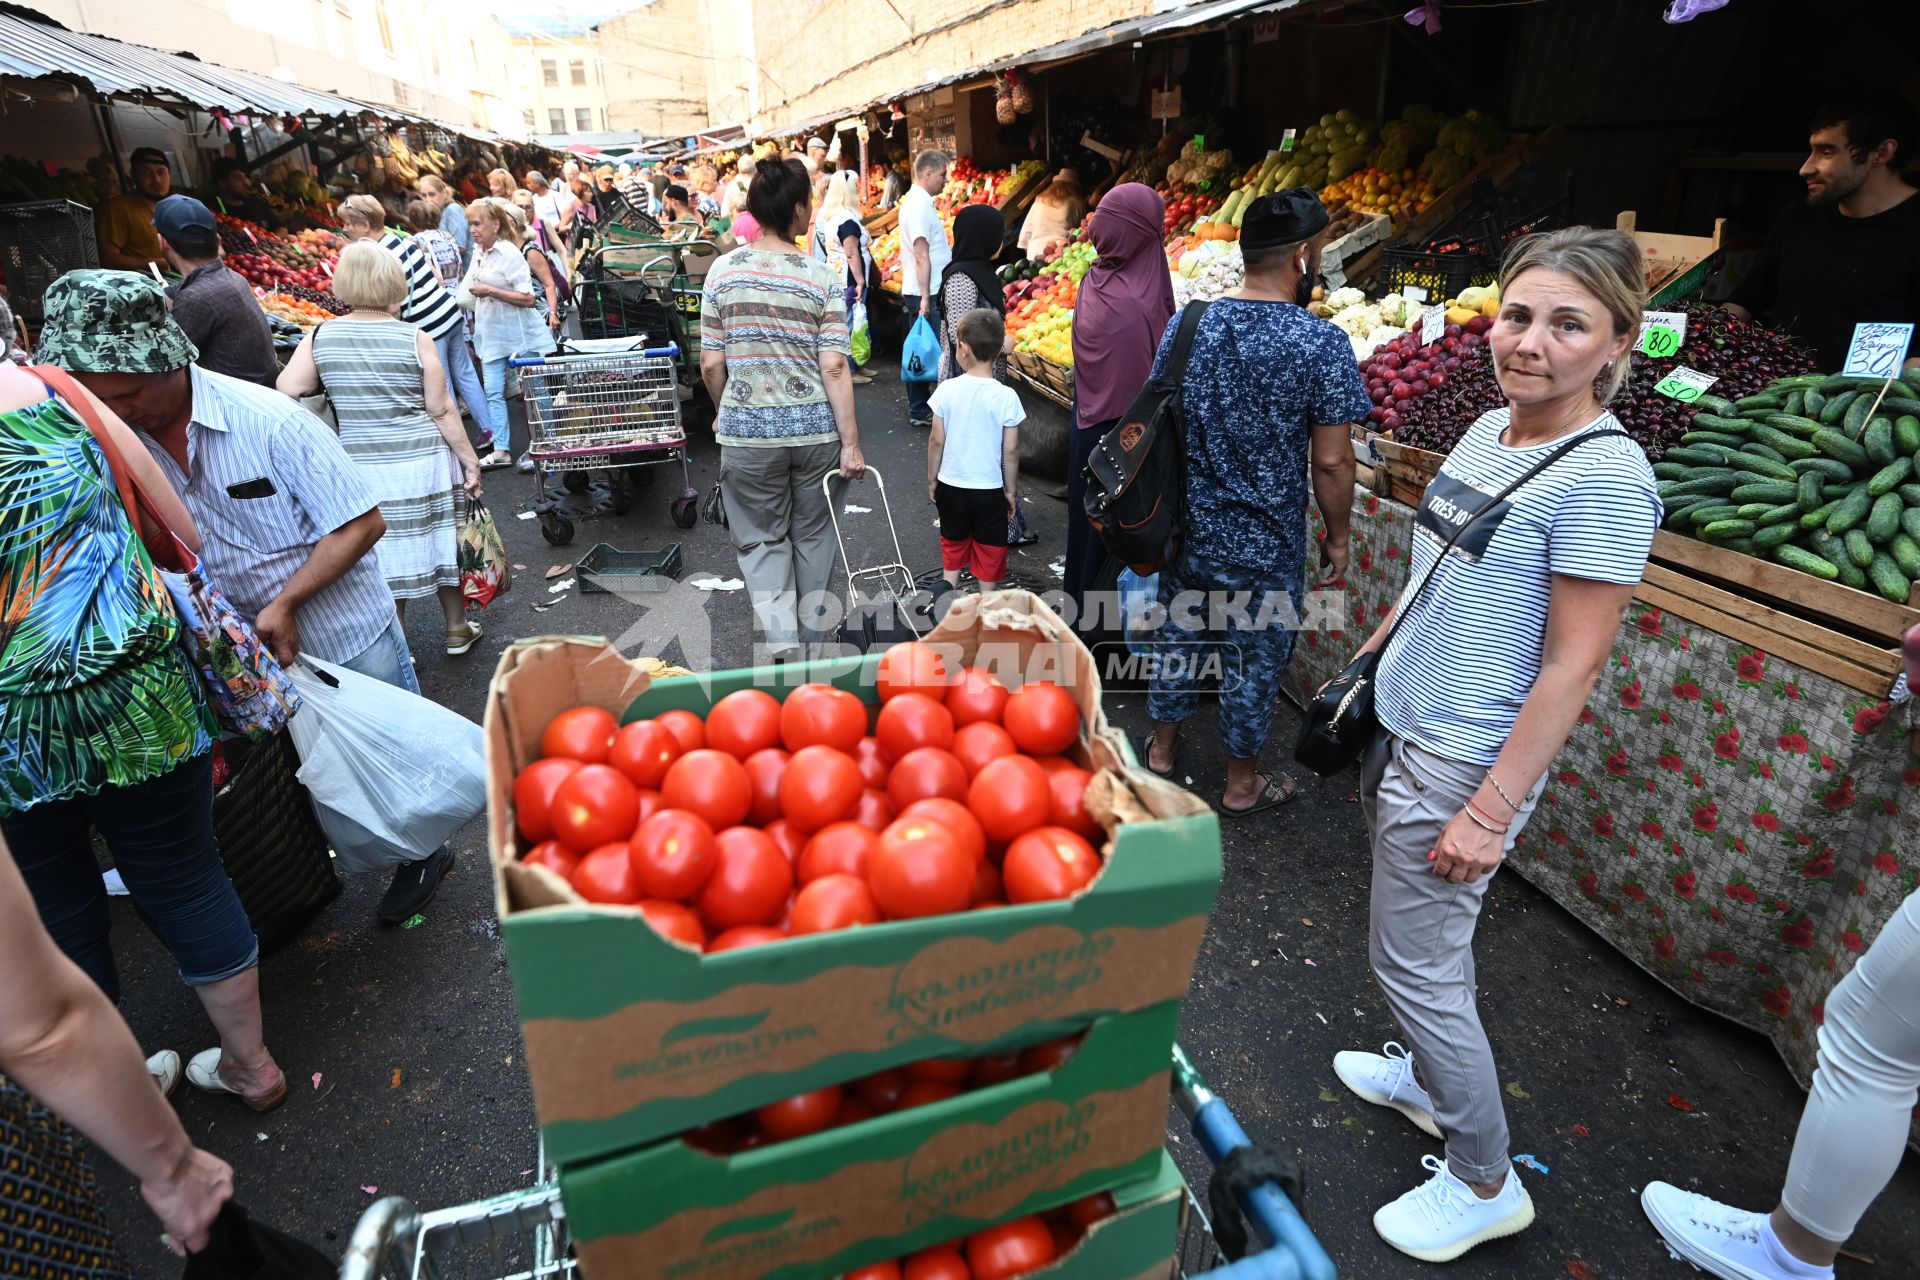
x=686, y=511
x=576, y=481
x=557, y=530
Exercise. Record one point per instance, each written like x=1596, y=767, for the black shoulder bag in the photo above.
x=1340, y=722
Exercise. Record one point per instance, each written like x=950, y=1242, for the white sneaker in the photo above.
x=166, y=1071
x=1718, y=1238
x=1386, y=1080
x=1442, y=1218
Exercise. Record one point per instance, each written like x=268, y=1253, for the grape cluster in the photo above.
x=317, y=297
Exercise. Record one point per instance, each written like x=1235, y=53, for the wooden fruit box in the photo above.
x=1029, y=374
x=1408, y=470
x=1847, y=635
x=1676, y=266
x=1058, y=379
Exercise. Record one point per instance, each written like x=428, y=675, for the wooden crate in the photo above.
x=1037, y=382
x=1407, y=469
x=1847, y=635
x=1058, y=380
x=1676, y=265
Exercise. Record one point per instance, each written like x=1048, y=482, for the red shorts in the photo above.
x=973, y=530
x=989, y=564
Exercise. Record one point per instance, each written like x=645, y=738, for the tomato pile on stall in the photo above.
x=297, y=268
x=1002, y=1252
x=767, y=819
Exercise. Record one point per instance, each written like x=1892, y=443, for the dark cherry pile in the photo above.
x=317, y=297
x=1744, y=357
x=1411, y=384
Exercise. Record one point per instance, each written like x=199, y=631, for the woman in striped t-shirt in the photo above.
x=1477, y=693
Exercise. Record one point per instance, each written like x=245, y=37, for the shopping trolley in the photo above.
x=611, y=404
x=884, y=604
x=522, y=1235
x=647, y=288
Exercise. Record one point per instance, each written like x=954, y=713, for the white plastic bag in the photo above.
x=1140, y=612
x=391, y=774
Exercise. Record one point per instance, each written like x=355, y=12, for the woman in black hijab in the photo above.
x=969, y=282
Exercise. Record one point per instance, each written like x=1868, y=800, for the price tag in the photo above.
x=1205, y=184
x=1414, y=292
x=1878, y=349
x=1684, y=384
x=1662, y=332
x=1433, y=325
x=1199, y=144
x=1287, y=139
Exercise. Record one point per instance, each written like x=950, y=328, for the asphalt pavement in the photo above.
x=404, y=1058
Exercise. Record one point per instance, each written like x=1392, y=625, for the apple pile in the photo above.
x=1402, y=371
x=768, y=820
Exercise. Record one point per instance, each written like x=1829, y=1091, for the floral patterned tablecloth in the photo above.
x=1737, y=826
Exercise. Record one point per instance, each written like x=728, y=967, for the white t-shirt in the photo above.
x=976, y=413
x=1454, y=677
x=920, y=220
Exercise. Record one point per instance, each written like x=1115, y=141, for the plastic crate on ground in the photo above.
x=40, y=241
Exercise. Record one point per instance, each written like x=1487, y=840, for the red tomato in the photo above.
x=606, y=875
x=689, y=728
x=764, y=770
x=643, y=750
x=743, y=722
x=837, y=901
x=912, y=720
x=712, y=784
x=881, y=1091
x=953, y=1071
x=1068, y=790
x=942, y=1262
x=580, y=733
x=798, y=1116
x=674, y=921
x=821, y=786
x=1042, y=718
x=922, y=1092
x=593, y=806
x=924, y=773
x=840, y=848
x=789, y=841
x=874, y=813
x=976, y=696
x=750, y=882
x=1049, y=863
x=1054, y=764
x=673, y=854
x=874, y=763
x=852, y=1111
x=555, y=857
x=997, y=1069
x=1010, y=1249
x=720, y=1138
x=956, y=817
x=911, y=667
x=533, y=795
x=1049, y=1055
x=821, y=715
x=742, y=936
x=649, y=805
x=920, y=869
x=1010, y=797
x=888, y=1270
x=974, y=745
x=988, y=886
x=1094, y=1208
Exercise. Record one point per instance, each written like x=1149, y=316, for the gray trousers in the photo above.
x=1421, y=944
x=779, y=520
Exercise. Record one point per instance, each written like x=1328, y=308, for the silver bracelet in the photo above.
x=1502, y=791
x=1476, y=820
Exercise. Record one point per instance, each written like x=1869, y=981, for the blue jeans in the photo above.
x=464, y=381
x=495, y=374
x=387, y=659
x=920, y=394
x=1243, y=618
x=161, y=835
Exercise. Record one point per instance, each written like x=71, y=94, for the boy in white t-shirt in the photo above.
x=973, y=455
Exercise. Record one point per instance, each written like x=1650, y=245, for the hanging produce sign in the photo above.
x=1878, y=349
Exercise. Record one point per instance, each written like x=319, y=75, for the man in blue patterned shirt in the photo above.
x=1271, y=393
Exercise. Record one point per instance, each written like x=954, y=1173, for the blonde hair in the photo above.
x=368, y=276
x=503, y=215
x=506, y=178
x=843, y=192
x=1064, y=189
x=432, y=184
x=366, y=210
x=1606, y=264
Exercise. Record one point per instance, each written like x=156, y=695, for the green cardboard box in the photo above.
x=817, y=1206
x=1140, y=1241
x=631, y=1038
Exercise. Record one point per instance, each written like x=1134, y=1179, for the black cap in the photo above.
x=147, y=155
x=187, y=225
x=1285, y=217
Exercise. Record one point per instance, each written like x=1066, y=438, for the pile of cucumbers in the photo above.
x=1819, y=472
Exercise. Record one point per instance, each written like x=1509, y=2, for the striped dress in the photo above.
x=372, y=372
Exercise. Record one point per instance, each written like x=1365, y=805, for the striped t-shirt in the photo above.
x=773, y=314
x=429, y=304
x=1454, y=677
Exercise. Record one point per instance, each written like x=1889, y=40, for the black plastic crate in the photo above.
x=40, y=241
x=1468, y=248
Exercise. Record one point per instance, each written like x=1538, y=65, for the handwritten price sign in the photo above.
x=1662, y=332
x=1433, y=325
x=1878, y=349
x=1684, y=384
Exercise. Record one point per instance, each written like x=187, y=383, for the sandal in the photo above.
x=1272, y=796
x=458, y=642
x=203, y=1073
x=1146, y=755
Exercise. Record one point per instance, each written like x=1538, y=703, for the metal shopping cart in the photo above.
x=647, y=288
x=611, y=404
x=522, y=1235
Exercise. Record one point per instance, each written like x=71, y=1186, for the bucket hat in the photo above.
x=101, y=321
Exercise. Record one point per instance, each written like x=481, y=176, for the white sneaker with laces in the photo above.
x=1718, y=1238
x=1386, y=1079
x=1442, y=1218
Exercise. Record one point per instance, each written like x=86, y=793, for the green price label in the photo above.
x=1205, y=184
x=1679, y=389
x=1287, y=139
x=1660, y=342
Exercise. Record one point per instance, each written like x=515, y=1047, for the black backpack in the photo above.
x=1137, y=476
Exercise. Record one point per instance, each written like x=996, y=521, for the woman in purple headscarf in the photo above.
x=1125, y=304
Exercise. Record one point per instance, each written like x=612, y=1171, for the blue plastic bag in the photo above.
x=920, y=357
x=1140, y=613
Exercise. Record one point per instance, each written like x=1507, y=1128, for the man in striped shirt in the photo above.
x=430, y=306
x=287, y=522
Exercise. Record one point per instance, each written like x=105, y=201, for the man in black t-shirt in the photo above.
x=1851, y=252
